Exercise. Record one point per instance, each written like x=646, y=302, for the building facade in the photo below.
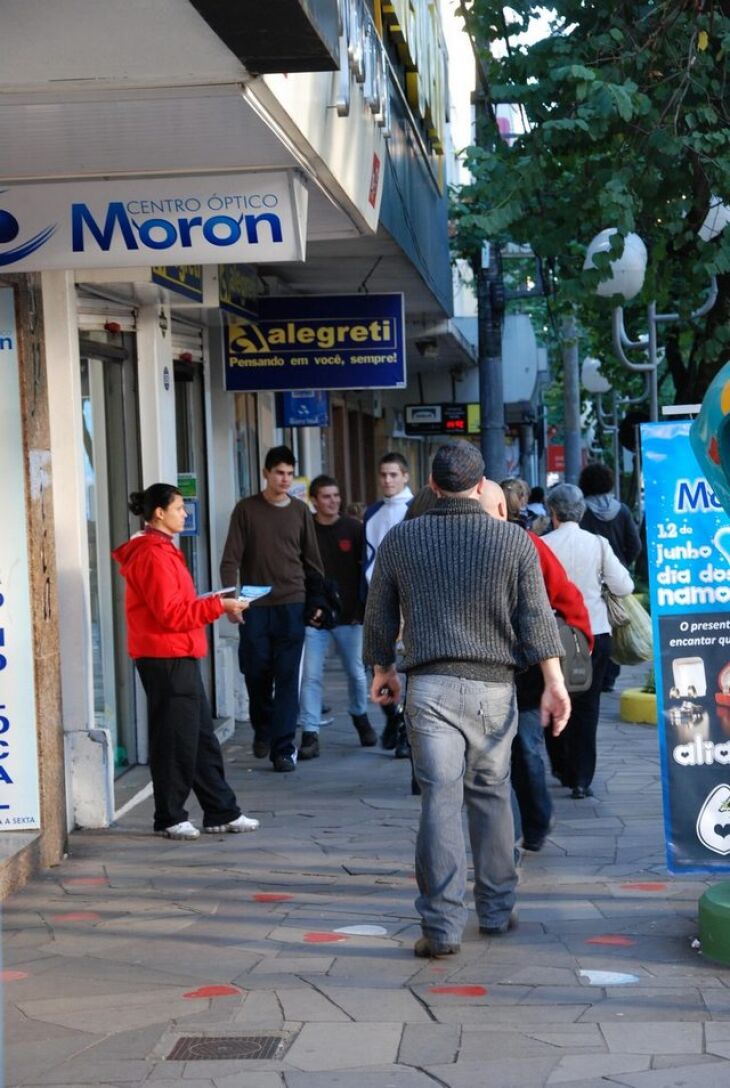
x=311, y=168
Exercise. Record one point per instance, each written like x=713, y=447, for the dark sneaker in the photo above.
x=261, y=748
x=580, y=792
x=427, y=948
x=283, y=764
x=309, y=748
x=402, y=747
x=368, y=736
x=504, y=927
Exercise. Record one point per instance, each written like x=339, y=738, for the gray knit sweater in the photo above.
x=471, y=594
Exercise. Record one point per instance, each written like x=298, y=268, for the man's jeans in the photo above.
x=461, y=734
x=269, y=652
x=534, y=807
x=348, y=641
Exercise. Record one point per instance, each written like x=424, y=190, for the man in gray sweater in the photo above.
x=474, y=610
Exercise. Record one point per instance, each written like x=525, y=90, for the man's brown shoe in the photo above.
x=426, y=948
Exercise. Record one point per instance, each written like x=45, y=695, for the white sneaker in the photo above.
x=184, y=830
x=241, y=823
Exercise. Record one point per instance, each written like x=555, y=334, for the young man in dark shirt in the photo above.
x=340, y=540
x=271, y=541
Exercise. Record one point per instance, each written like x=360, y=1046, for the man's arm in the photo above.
x=555, y=701
x=234, y=548
x=380, y=629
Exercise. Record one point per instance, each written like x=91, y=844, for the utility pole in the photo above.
x=490, y=309
x=571, y=398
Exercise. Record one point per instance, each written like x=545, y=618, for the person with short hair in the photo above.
x=166, y=622
x=589, y=562
x=379, y=519
x=474, y=610
x=271, y=542
x=340, y=541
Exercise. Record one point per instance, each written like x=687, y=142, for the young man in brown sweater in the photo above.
x=271, y=542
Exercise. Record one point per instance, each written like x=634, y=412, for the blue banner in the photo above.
x=322, y=342
x=688, y=542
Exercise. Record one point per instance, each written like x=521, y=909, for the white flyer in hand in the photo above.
x=252, y=593
x=218, y=592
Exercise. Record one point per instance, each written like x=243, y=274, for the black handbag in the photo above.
x=576, y=661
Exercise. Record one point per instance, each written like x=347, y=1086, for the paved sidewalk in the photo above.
x=255, y=943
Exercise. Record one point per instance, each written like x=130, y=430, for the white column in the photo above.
x=89, y=758
x=223, y=492
x=156, y=395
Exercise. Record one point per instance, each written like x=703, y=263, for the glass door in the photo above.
x=112, y=467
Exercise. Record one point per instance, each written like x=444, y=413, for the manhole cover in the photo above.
x=198, y=1048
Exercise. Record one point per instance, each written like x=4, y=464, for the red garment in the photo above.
x=564, y=596
x=165, y=616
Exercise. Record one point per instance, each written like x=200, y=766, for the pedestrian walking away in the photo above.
x=590, y=562
x=271, y=542
x=606, y=516
x=533, y=804
x=166, y=638
x=379, y=519
x=474, y=610
x=340, y=540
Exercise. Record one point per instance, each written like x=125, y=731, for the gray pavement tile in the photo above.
x=260, y=1009
x=572, y=1037
x=82, y=1071
x=102, y=1015
x=505, y=1074
x=500, y=1045
x=574, y=1067
x=429, y=1044
x=308, y=1005
x=673, y=1061
x=28, y=1058
x=697, y=1075
x=366, y=1005
x=514, y=1016
x=564, y=995
x=387, y=1077
x=493, y=995
x=665, y=1037
x=321, y=1047
x=248, y=1080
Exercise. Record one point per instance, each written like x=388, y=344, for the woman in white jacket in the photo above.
x=590, y=562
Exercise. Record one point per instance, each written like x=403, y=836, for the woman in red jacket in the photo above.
x=166, y=636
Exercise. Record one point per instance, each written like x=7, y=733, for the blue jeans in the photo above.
x=534, y=807
x=348, y=643
x=461, y=735
x=269, y=652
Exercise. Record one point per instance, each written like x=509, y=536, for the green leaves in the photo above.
x=628, y=127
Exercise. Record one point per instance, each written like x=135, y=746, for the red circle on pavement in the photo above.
x=272, y=897
x=86, y=880
x=324, y=938
x=614, y=939
x=459, y=991
x=78, y=916
x=12, y=976
x=214, y=991
x=645, y=886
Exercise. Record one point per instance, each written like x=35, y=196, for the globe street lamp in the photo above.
x=594, y=382
x=626, y=280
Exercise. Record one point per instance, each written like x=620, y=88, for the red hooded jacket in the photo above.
x=165, y=616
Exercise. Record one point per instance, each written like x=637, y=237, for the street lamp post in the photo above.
x=626, y=280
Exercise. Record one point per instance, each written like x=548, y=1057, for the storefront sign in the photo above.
x=238, y=289
x=187, y=484
x=19, y=799
x=303, y=408
x=688, y=541
x=319, y=342
x=456, y=419
x=181, y=279
x=124, y=222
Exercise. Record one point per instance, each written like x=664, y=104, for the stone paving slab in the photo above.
x=107, y=994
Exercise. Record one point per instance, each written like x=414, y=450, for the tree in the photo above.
x=626, y=116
